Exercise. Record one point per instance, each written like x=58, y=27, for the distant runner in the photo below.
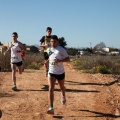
x=16, y=49
x=45, y=43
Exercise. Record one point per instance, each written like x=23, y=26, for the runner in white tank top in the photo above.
x=16, y=48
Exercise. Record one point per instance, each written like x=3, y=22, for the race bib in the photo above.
x=53, y=64
x=14, y=59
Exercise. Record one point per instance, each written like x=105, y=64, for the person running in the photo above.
x=45, y=43
x=16, y=49
x=57, y=55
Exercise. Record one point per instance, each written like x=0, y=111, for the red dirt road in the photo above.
x=89, y=97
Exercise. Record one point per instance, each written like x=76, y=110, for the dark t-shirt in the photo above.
x=42, y=40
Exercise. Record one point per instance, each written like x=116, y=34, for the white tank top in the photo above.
x=15, y=56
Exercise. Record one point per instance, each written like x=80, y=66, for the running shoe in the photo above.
x=50, y=111
x=14, y=87
x=63, y=100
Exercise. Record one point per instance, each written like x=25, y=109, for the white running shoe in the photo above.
x=50, y=111
x=63, y=100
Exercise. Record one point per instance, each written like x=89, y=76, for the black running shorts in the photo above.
x=18, y=64
x=46, y=56
x=58, y=77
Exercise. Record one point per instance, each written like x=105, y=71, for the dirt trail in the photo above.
x=89, y=97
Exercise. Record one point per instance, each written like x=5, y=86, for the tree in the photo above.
x=99, y=46
x=89, y=50
x=34, y=49
x=72, y=51
x=62, y=42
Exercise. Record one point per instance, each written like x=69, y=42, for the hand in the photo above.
x=4, y=53
x=46, y=63
x=19, y=51
x=46, y=45
x=56, y=60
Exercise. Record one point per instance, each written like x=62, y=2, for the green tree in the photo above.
x=34, y=49
x=72, y=51
x=62, y=42
x=89, y=50
x=99, y=46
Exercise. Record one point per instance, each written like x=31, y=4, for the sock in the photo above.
x=51, y=105
x=63, y=95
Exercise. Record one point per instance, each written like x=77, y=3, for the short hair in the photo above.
x=54, y=37
x=48, y=28
x=15, y=33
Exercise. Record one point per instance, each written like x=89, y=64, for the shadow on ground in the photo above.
x=100, y=114
x=45, y=88
x=100, y=84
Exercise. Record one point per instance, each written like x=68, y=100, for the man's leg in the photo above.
x=46, y=57
x=46, y=67
x=62, y=87
x=23, y=64
x=20, y=68
x=13, y=67
x=51, y=83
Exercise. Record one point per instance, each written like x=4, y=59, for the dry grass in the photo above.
x=102, y=64
x=31, y=59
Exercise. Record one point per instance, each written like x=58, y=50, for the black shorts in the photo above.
x=58, y=77
x=46, y=56
x=18, y=64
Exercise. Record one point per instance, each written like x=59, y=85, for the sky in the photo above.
x=83, y=23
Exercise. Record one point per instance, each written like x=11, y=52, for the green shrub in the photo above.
x=76, y=62
x=29, y=59
x=101, y=69
x=5, y=63
x=98, y=64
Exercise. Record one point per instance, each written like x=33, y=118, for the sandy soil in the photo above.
x=89, y=97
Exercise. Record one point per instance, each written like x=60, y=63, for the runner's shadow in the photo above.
x=100, y=84
x=75, y=90
x=79, y=83
x=105, y=84
x=100, y=114
x=46, y=87
x=60, y=117
x=71, y=82
x=29, y=90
